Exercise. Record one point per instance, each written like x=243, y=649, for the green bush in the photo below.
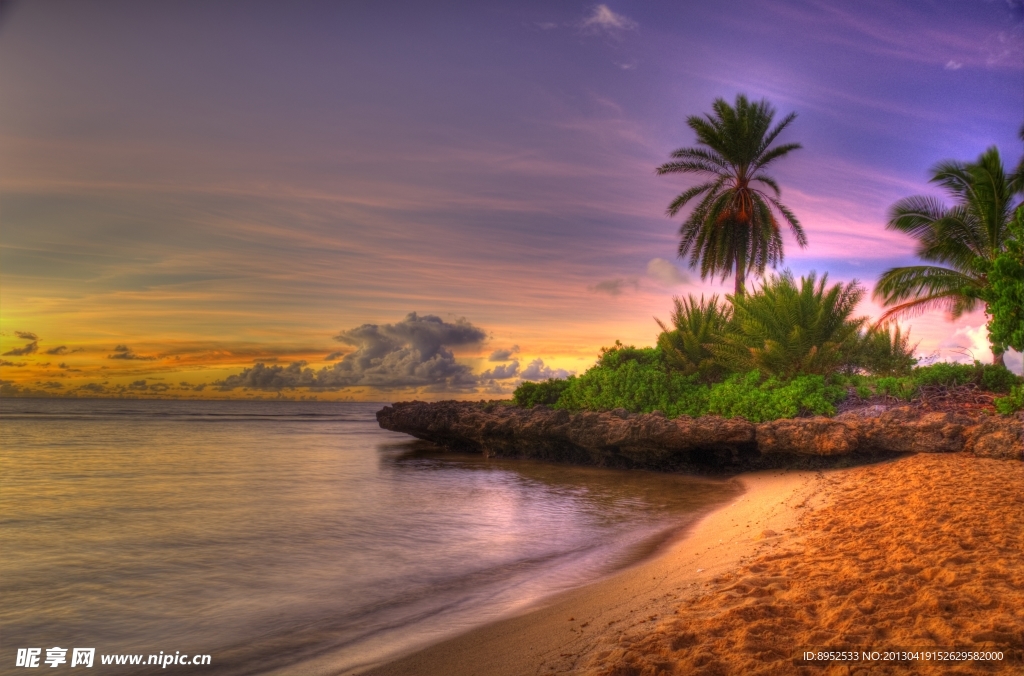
x=1012, y=402
x=638, y=381
x=904, y=388
x=884, y=351
x=699, y=326
x=756, y=399
x=1005, y=294
x=547, y=392
x=998, y=378
x=787, y=329
x=986, y=376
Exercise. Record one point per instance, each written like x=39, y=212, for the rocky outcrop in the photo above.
x=621, y=439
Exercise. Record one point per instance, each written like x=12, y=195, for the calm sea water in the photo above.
x=289, y=537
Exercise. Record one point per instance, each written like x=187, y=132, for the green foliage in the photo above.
x=636, y=380
x=998, y=378
x=547, y=392
x=699, y=324
x=985, y=376
x=734, y=227
x=885, y=352
x=904, y=388
x=756, y=399
x=1012, y=402
x=619, y=355
x=785, y=330
x=1005, y=296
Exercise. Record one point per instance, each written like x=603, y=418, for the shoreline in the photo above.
x=557, y=636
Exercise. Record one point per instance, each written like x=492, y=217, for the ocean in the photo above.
x=288, y=537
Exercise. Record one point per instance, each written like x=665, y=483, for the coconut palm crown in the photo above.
x=735, y=227
x=963, y=240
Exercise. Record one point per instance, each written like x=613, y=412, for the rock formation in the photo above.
x=618, y=438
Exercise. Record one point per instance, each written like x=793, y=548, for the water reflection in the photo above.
x=267, y=533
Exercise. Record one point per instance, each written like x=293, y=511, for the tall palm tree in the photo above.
x=734, y=228
x=963, y=239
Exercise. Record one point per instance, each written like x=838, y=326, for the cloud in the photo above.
x=602, y=18
x=95, y=388
x=614, y=287
x=138, y=385
x=58, y=350
x=52, y=385
x=954, y=65
x=125, y=352
x=665, y=272
x=4, y=362
x=967, y=343
x=538, y=371
x=501, y=372
x=410, y=353
x=26, y=335
x=31, y=348
x=503, y=355
x=334, y=355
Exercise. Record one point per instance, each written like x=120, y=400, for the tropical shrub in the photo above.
x=1005, y=295
x=546, y=392
x=758, y=399
x=904, y=388
x=884, y=351
x=1012, y=402
x=638, y=381
x=986, y=376
x=699, y=325
x=785, y=330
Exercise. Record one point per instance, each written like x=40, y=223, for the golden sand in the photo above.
x=927, y=551
x=924, y=551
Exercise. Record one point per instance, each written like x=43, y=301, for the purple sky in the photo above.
x=215, y=184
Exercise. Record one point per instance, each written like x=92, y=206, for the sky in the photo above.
x=389, y=200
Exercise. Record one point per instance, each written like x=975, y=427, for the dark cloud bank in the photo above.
x=413, y=353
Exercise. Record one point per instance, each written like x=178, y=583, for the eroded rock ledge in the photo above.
x=621, y=439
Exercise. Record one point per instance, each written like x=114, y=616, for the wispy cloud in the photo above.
x=31, y=348
x=614, y=287
x=665, y=272
x=603, y=18
x=125, y=352
x=503, y=354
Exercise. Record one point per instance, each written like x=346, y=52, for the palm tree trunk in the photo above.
x=740, y=276
x=997, y=358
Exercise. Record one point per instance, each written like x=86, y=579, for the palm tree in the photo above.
x=964, y=239
x=734, y=228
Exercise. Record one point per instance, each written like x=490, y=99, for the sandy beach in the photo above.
x=921, y=552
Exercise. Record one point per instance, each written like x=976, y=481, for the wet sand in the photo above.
x=922, y=552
